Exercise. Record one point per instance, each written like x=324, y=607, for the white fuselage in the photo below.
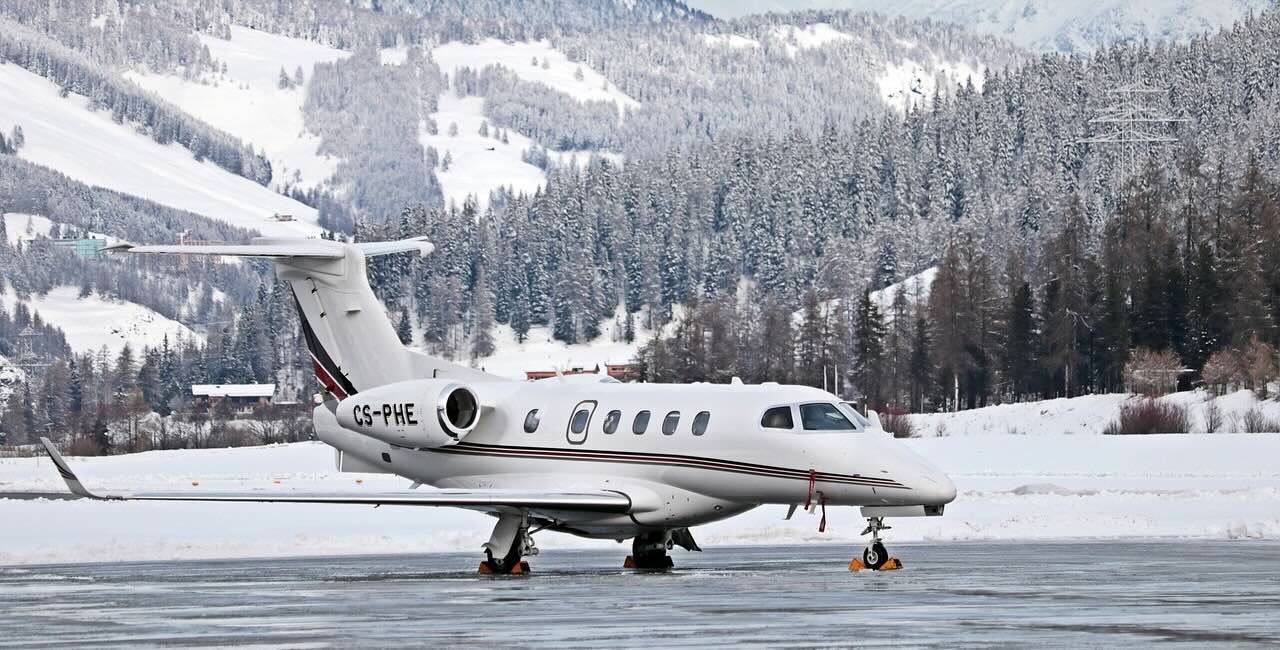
x=673, y=477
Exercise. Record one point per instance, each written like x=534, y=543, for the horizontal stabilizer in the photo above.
x=284, y=248
x=594, y=501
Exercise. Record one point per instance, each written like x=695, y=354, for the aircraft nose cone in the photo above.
x=937, y=489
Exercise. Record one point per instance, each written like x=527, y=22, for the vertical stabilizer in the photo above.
x=352, y=344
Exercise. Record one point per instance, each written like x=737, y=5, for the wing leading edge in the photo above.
x=597, y=501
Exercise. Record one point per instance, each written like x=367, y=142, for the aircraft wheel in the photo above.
x=874, y=556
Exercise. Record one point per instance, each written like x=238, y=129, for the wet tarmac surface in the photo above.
x=1017, y=595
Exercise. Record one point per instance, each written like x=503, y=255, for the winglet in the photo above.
x=73, y=483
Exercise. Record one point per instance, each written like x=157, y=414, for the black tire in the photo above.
x=874, y=556
x=508, y=563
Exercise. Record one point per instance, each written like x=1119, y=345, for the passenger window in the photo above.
x=778, y=417
x=611, y=421
x=670, y=422
x=641, y=423
x=580, y=421
x=824, y=417
x=531, y=421
x=700, y=423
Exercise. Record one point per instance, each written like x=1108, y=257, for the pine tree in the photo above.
x=921, y=367
x=868, y=350
x=1020, y=353
x=404, y=327
x=284, y=82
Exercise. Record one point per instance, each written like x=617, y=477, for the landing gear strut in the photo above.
x=511, y=538
x=649, y=551
x=874, y=556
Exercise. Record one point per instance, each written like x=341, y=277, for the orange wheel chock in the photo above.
x=856, y=565
x=891, y=564
x=629, y=563
x=485, y=569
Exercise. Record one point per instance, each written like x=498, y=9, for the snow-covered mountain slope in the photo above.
x=479, y=164
x=248, y=102
x=1043, y=25
x=915, y=290
x=553, y=69
x=93, y=322
x=63, y=134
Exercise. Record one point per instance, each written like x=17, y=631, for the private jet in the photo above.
x=583, y=455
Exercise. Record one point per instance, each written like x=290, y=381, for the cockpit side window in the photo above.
x=778, y=417
x=824, y=417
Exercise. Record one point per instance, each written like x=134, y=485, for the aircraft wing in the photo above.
x=595, y=501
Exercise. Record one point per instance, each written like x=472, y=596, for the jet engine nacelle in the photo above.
x=419, y=413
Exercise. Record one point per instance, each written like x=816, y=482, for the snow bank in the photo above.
x=63, y=134
x=1050, y=486
x=93, y=322
x=248, y=103
x=1086, y=415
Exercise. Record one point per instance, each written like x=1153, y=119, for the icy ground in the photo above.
x=1051, y=486
x=1184, y=594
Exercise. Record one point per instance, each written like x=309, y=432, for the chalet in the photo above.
x=242, y=398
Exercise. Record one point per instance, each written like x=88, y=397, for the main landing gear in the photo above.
x=874, y=556
x=649, y=549
x=511, y=538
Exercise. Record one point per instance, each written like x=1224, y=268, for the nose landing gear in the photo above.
x=874, y=556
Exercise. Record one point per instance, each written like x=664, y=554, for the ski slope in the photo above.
x=1050, y=486
x=480, y=164
x=63, y=134
x=93, y=322
x=559, y=73
x=248, y=103
x=908, y=83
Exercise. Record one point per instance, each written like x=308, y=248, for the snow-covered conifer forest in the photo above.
x=924, y=217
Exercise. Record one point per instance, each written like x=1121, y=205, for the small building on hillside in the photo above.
x=87, y=248
x=241, y=398
x=623, y=372
x=534, y=375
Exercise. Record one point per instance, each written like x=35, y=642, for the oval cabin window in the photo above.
x=611, y=421
x=531, y=421
x=700, y=422
x=670, y=423
x=641, y=423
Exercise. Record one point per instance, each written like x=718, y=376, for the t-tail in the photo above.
x=352, y=343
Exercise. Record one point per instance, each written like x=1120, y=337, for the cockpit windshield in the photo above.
x=851, y=410
x=824, y=417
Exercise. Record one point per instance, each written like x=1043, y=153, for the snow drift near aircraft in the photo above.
x=583, y=455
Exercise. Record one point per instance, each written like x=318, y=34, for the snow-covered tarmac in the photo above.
x=1112, y=594
x=1033, y=487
